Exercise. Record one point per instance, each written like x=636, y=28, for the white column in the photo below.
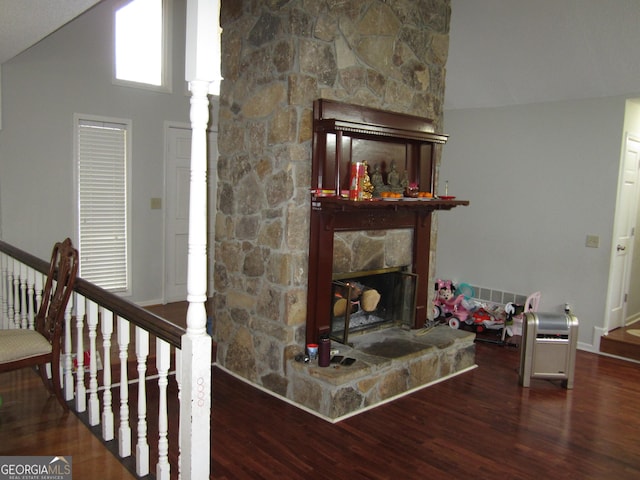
x=202, y=68
x=195, y=414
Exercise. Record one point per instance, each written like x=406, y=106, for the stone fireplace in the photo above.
x=278, y=57
x=345, y=134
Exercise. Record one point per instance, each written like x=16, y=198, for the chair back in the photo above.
x=61, y=278
x=533, y=300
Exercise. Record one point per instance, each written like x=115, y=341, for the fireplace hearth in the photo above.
x=389, y=363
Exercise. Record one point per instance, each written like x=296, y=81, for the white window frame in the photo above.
x=124, y=288
x=167, y=31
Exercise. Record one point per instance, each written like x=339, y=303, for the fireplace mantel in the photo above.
x=347, y=133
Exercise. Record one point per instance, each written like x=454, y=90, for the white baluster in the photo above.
x=94, y=403
x=124, y=431
x=16, y=294
x=81, y=390
x=107, y=409
x=142, y=447
x=39, y=287
x=67, y=355
x=31, y=312
x=4, y=307
x=24, y=317
x=163, y=359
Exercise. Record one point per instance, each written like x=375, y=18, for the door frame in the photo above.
x=618, y=217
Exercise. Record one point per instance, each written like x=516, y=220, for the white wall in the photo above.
x=69, y=72
x=539, y=178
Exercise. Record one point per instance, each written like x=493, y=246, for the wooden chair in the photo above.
x=20, y=348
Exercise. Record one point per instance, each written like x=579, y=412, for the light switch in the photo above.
x=156, y=203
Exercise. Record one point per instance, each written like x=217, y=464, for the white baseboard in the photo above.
x=150, y=303
x=632, y=320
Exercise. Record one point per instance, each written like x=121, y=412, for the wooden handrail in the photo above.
x=154, y=324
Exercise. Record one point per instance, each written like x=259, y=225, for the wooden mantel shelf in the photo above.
x=331, y=214
x=345, y=205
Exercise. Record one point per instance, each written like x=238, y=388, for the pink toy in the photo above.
x=446, y=304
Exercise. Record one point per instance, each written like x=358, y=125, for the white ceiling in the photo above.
x=24, y=23
x=501, y=52
x=505, y=52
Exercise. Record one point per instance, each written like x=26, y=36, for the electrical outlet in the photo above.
x=156, y=203
x=593, y=241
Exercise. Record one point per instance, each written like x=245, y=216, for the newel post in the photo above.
x=202, y=69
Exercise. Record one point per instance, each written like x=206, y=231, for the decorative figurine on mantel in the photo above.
x=367, y=187
x=376, y=179
x=394, y=178
x=396, y=184
x=404, y=183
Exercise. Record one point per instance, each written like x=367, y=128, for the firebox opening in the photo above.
x=371, y=300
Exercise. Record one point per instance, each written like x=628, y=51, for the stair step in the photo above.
x=621, y=344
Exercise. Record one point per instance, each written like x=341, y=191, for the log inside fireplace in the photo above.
x=371, y=300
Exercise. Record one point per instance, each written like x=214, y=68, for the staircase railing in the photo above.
x=107, y=336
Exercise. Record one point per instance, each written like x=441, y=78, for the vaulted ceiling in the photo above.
x=23, y=23
x=502, y=52
x=505, y=52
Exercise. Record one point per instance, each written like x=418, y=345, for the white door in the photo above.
x=623, y=234
x=177, y=175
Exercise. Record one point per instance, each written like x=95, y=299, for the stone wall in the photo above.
x=372, y=250
x=279, y=56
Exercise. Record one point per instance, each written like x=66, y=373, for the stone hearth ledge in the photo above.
x=390, y=363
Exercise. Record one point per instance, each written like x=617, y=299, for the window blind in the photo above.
x=102, y=204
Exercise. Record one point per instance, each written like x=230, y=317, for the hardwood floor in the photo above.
x=176, y=312
x=478, y=425
x=33, y=423
x=481, y=424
